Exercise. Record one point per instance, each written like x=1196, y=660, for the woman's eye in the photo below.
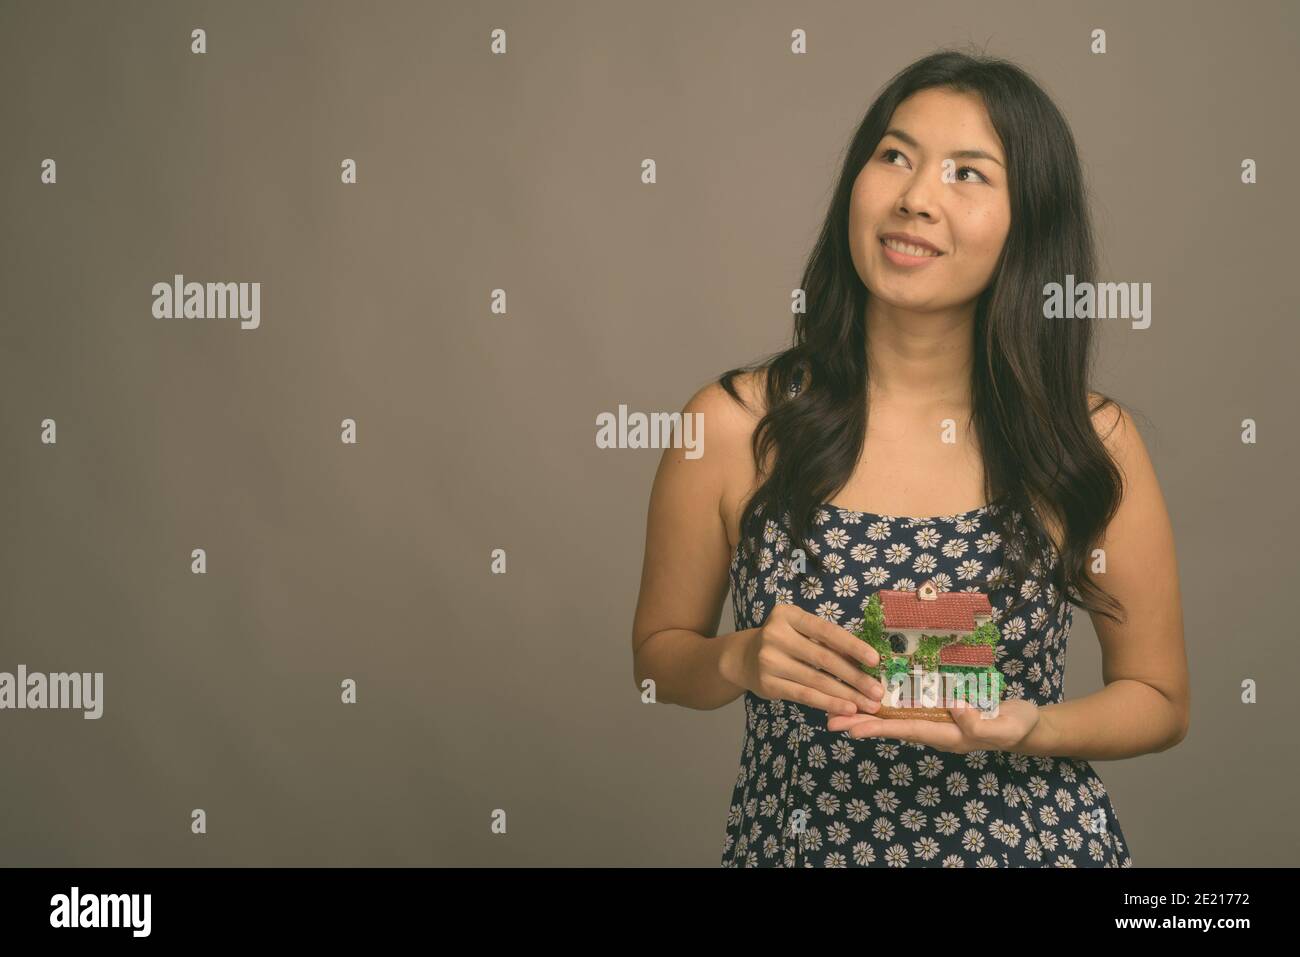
x=889, y=154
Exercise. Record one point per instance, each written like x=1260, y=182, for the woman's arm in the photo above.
x=1146, y=704
x=684, y=577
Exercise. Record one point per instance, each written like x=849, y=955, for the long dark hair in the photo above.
x=1030, y=375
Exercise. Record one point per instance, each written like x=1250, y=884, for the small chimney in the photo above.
x=927, y=591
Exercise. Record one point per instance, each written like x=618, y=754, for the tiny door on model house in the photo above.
x=933, y=645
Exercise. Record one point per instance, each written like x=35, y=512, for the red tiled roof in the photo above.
x=950, y=611
x=959, y=654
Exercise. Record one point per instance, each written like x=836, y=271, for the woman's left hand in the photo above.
x=971, y=731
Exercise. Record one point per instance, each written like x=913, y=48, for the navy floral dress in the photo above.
x=809, y=797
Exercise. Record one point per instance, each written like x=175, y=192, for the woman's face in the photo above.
x=924, y=180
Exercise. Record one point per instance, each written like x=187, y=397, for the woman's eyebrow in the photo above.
x=957, y=154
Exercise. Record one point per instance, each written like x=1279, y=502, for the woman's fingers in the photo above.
x=835, y=651
x=803, y=674
x=851, y=722
x=833, y=636
x=794, y=691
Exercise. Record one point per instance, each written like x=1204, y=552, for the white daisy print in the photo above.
x=867, y=802
x=846, y=587
x=830, y=610
x=836, y=538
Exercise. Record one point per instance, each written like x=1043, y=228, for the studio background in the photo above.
x=475, y=431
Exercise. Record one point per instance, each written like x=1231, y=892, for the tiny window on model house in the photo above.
x=930, y=634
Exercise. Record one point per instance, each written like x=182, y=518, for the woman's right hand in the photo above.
x=797, y=656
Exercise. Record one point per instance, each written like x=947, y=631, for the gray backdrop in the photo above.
x=475, y=430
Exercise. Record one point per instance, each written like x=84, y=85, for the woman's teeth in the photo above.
x=908, y=250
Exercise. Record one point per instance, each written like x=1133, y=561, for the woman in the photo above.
x=924, y=380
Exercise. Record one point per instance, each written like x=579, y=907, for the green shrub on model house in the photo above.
x=996, y=682
x=985, y=634
x=927, y=651
x=872, y=630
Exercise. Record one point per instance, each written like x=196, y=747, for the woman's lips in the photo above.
x=903, y=259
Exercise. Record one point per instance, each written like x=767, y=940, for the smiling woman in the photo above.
x=923, y=380
x=914, y=167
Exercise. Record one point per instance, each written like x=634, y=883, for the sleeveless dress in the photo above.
x=808, y=797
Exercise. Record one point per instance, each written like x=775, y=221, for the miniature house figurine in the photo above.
x=935, y=648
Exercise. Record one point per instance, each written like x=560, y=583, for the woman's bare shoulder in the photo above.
x=732, y=417
x=1108, y=418
x=729, y=424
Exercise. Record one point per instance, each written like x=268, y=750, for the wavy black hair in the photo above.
x=1029, y=386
